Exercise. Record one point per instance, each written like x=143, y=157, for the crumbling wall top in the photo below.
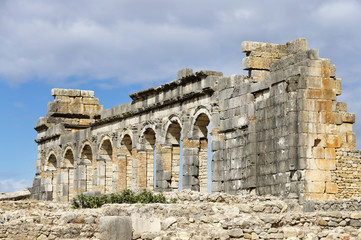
x=72, y=92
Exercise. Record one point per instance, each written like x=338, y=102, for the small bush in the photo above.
x=127, y=196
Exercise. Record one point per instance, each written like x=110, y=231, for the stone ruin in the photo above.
x=278, y=131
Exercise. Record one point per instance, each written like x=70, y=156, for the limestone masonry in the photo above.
x=278, y=131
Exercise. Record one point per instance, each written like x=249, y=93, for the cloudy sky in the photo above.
x=119, y=47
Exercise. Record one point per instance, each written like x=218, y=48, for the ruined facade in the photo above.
x=279, y=131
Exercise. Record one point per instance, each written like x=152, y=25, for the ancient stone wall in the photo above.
x=275, y=131
x=195, y=216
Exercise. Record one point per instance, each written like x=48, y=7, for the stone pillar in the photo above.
x=76, y=178
x=150, y=170
x=47, y=185
x=64, y=191
x=72, y=191
x=89, y=177
x=175, y=167
x=190, y=164
x=54, y=185
x=129, y=161
x=122, y=172
x=203, y=165
x=82, y=178
x=108, y=175
x=134, y=168
x=142, y=170
x=165, y=167
x=58, y=181
x=101, y=173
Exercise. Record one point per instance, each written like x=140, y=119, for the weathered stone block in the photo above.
x=325, y=164
x=295, y=46
x=318, y=176
x=331, y=187
x=184, y=72
x=115, y=228
x=330, y=153
x=315, y=187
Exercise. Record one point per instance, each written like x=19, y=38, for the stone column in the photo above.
x=175, y=167
x=122, y=172
x=190, y=164
x=72, y=190
x=101, y=173
x=108, y=175
x=203, y=165
x=165, y=167
x=89, y=177
x=150, y=170
x=134, y=168
x=54, y=185
x=64, y=191
x=142, y=170
x=82, y=178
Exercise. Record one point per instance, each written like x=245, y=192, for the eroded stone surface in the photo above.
x=196, y=215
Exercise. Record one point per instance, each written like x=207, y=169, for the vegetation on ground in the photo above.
x=127, y=196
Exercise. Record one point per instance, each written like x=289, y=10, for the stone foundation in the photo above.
x=195, y=216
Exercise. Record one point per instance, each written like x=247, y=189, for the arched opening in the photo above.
x=146, y=177
x=86, y=169
x=125, y=162
x=51, y=171
x=171, y=156
x=105, y=167
x=67, y=173
x=200, y=132
x=51, y=166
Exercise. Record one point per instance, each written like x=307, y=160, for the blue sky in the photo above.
x=119, y=47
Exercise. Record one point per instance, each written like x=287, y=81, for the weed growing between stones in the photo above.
x=127, y=196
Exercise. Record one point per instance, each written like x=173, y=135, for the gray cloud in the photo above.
x=144, y=41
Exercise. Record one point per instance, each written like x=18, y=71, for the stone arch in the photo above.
x=50, y=176
x=172, y=119
x=86, y=167
x=195, y=172
x=144, y=166
x=146, y=126
x=67, y=174
x=125, y=162
x=68, y=158
x=103, y=139
x=200, y=132
x=86, y=153
x=171, y=150
x=199, y=111
x=125, y=132
x=105, y=165
x=51, y=161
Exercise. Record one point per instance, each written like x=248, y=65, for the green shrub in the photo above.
x=126, y=196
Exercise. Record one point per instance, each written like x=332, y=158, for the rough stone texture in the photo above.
x=277, y=131
x=115, y=228
x=18, y=195
x=196, y=215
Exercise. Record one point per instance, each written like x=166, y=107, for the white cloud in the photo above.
x=19, y=105
x=11, y=185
